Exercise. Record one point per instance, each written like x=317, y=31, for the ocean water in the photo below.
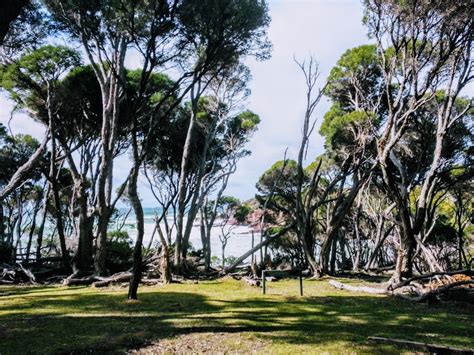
x=239, y=242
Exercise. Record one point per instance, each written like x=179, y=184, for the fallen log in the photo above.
x=16, y=274
x=429, y=276
x=271, y=279
x=251, y=282
x=28, y=273
x=434, y=292
x=431, y=348
x=83, y=281
x=372, y=290
x=151, y=282
x=116, y=278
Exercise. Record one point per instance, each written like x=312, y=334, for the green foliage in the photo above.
x=242, y=212
x=14, y=153
x=224, y=30
x=35, y=72
x=119, y=251
x=282, y=175
x=341, y=130
x=357, y=68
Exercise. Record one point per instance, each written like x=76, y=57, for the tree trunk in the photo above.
x=39, y=241
x=110, y=92
x=2, y=224
x=182, y=192
x=59, y=224
x=83, y=259
x=32, y=228
x=404, y=264
x=138, y=209
x=165, y=259
x=223, y=256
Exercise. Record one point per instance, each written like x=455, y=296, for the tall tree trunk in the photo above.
x=83, y=259
x=44, y=214
x=32, y=228
x=103, y=196
x=165, y=258
x=60, y=224
x=138, y=209
x=137, y=251
x=178, y=251
x=110, y=91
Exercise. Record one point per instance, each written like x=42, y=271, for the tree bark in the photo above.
x=44, y=213
x=138, y=209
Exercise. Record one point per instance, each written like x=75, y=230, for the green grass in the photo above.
x=224, y=315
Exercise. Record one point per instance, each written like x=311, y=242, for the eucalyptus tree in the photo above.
x=425, y=48
x=106, y=30
x=31, y=82
x=19, y=209
x=226, y=130
x=220, y=33
x=349, y=130
x=141, y=104
x=227, y=150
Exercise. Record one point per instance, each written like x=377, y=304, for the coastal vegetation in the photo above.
x=389, y=200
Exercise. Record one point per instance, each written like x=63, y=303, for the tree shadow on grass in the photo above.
x=82, y=320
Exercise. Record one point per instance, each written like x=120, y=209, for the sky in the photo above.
x=299, y=28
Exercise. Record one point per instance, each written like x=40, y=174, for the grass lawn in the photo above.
x=220, y=316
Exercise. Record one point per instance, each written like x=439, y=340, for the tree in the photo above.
x=425, y=47
x=221, y=34
x=33, y=77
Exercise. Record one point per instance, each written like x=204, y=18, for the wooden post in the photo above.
x=253, y=245
x=301, y=282
x=264, y=284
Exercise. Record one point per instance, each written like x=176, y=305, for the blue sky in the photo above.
x=323, y=28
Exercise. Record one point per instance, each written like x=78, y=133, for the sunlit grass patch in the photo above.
x=223, y=315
